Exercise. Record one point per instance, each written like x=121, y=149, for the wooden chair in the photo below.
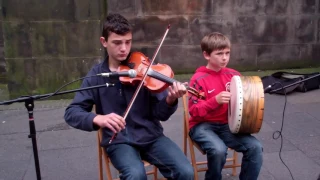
x=198, y=166
x=102, y=153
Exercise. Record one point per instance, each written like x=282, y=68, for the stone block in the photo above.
x=188, y=7
x=150, y=30
x=49, y=39
x=46, y=75
x=255, y=29
x=162, y=7
x=295, y=7
x=182, y=59
x=283, y=56
x=3, y=12
x=90, y=10
x=2, y=59
x=253, y=7
x=124, y=7
x=20, y=81
x=3, y=71
x=282, y=30
x=17, y=39
x=39, y=10
x=221, y=7
x=75, y=39
x=243, y=57
x=201, y=26
x=318, y=31
x=269, y=29
x=198, y=7
x=4, y=93
x=316, y=54
x=82, y=38
x=262, y=29
x=1, y=34
x=304, y=29
x=252, y=29
x=167, y=7
x=281, y=7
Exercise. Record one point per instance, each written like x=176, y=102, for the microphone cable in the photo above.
x=278, y=134
x=67, y=85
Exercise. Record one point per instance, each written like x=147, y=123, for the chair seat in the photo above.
x=102, y=153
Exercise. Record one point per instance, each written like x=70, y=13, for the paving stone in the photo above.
x=67, y=153
x=299, y=164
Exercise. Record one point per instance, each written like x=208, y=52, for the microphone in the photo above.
x=131, y=73
x=268, y=89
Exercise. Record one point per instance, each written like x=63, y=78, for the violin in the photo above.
x=159, y=76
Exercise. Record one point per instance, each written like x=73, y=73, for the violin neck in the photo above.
x=161, y=77
x=169, y=80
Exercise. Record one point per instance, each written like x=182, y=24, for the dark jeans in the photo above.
x=163, y=153
x=214, y=139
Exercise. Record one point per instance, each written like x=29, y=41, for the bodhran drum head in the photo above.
x=246, y=106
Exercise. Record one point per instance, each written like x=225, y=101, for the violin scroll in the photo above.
x=196, y=93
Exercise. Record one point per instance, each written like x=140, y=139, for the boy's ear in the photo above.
x=103, y=42
x=206, y=55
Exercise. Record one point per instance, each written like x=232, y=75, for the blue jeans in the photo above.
x=214, y=139
x=163, y=153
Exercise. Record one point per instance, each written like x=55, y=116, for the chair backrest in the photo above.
x=185, y=123
x=185, y=111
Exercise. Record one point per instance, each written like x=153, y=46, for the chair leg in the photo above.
x=155, y=175
x=100, y=160
x=185, y=136
x=235, y=159
x=193, y=159
x=107, y=162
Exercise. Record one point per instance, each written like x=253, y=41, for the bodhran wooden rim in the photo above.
x=246, y=106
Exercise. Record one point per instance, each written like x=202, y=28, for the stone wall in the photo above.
x=48, y=43
x=45, y=44
x=265, y=34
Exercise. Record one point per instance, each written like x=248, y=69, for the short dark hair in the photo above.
x=214, y=41
x=117, y=24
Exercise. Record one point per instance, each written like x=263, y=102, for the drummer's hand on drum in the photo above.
x=223, y=97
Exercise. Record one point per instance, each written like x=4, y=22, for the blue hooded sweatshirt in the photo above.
x=143, y=121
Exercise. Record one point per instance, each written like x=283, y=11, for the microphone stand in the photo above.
x=268, y=88
x=29, y=104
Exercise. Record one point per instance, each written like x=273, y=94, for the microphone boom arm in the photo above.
x=35, y=97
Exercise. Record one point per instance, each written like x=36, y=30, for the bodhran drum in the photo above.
x=246, y=106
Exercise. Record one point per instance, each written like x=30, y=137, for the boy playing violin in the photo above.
x=140, y=135
x=208, y=117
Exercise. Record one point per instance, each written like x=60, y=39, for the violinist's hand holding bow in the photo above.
x=112, y=121
x=176, y=91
